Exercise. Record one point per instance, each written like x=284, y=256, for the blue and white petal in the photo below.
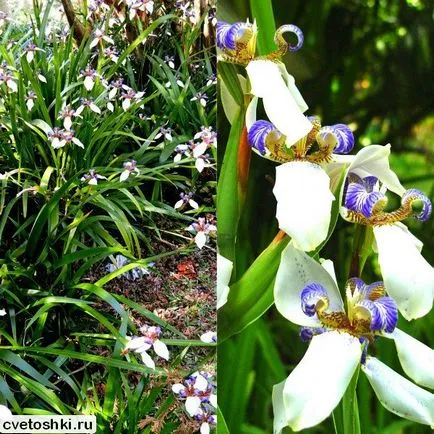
x=358, y=199
x=312, y=296
x=399, y=395
x=296, y=271
x=291, y=28
x=374, y=161
x=417, y=359
x=383, y=312
x=408, y=277
x=317, y=384
x=304, y=203
x=343, y=135
x=222, y=30
x=416, y=195
x=258, y=134
x=280, y=105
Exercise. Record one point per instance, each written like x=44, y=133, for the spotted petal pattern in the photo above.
x=344, y=137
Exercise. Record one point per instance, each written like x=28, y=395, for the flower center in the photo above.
x=365, y=203
x=369, y=310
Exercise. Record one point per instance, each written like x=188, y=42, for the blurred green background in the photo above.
x=368, y=64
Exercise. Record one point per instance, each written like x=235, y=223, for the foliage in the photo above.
x=72, y=196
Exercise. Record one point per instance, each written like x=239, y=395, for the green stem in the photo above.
x=350, y=408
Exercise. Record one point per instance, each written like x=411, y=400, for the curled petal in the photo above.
x=408, y=277
x=280, y=105
x=399, y=395
x=295, y=272
x=312, y=296
x=290, y=28
x=304, y=203
x=317, y=384
x=417, y=359
x=383, y=312
x=343, y=135
x=359, y=200
x=414, y=195
x=258, y=134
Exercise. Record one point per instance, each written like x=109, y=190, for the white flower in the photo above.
x=30, y=99
x=209, y=337
x=408, y=277
x=196, y=390
x=141, y=345
x=92, y=177
x=166, y=133
x=186, y=198
x=202, y=228
x=306, y=294
x=129, y=168
x=3, y=312
x=224, y=272
x=100, y=36
x=87, y=103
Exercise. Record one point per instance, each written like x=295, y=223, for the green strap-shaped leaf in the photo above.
x=262, y=11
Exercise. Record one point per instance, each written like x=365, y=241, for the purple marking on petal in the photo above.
x=370, y=183
x=222, y=29
x=365, y=342
x=307, y=333
x=344, y=137
x=291, y=28
x=234, y=33
x=310, y=296
x=369, y=289
x=413, y=194
x=384, y=313
x=258, y=135
x=359, y=200
x=357, y=285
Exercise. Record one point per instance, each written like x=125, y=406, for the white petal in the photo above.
x=200, y=239
x=199, y=149
x=251, y=112
x=317, y=384
x=280, y=420
x=2, y=312
x=213, y=400
x=297, y=270
x=126, y=104
x=408, y=277
x=108, y=39
x=192, y=405
x=79, y=111
x=89, y=83
x=399, y=395
x=124, y=175
x=328, y=265
x=178, y=387
x=177, y=158
x=178, y=204
x=290, y=81
x=5, y=413
x=193, y=204
x=161, y=349
x=135, y=343
x=147, y=360
x=12, y=85
x=93, y=181
x=201, y=383
x=200, y=164
x=94, y=43
x=110, y=106
x=77, y=142
x=224, y=272
x=204, y=428
x=304, y=203
x=113, y=93
x=374, y=160
x=67, y=123
x=30, y=104
x=29, y=56
x=417, y=359
x=279, y=104
x=208, y=337
x=94, y=108
x=42, y=78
